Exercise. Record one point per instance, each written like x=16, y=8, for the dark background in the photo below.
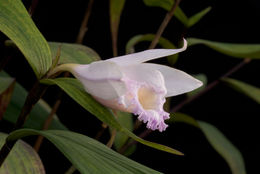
x=234, y=114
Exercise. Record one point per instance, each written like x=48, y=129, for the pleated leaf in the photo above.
x=231, y=49
x=76, y=91
x=73, y=53
x=126, y=120
x=16, y=24
x=244, y=88
x=38, y=115
x=21, y=160
x=87, y=154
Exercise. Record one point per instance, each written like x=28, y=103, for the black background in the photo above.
x=234, y=114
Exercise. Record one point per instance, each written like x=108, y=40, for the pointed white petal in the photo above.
x=144, y=56
x=146, y=75
x=101, y=79
x=176, y=81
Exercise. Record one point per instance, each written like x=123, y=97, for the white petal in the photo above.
x=144, y=56
x=176, y=81
x=101, y=79
x=144, y=74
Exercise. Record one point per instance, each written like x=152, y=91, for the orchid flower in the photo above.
x=127, y=84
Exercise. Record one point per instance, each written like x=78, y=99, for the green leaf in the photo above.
x=217, y=140
x=37, y=116
x=197, y=17
x=149, y=37
x=87, y=154
x=22, y=159
x=76, y=91
x=203, y=78
x=167, y=5
x=126, y=120
x=73, y=53
x=6, y=91
x=16, y=23
x=244, y=88
x=231, y=49
x=183, y=118
x=115, y=9
x=224, y=147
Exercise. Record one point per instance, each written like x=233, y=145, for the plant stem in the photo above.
x=47, y=122
x=4, y=61
x=112, y=138
x=34, y=95
x=71, y=170
x=83, y=28
x=33, y=7
x=164, y=24
x=189, y=100
x=102, y=130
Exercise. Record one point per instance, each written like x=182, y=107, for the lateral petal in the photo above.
x=176, y=81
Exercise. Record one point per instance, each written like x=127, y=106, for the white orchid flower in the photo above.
x=127, y=84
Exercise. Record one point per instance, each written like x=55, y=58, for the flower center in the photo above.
x=147, y=98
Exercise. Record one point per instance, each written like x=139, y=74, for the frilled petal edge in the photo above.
x=144, y=56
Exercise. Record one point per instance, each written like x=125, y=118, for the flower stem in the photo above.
x=71, y=170
x=34, y=95
x=164, y=24
x=112, y=138
x=48, y=122
x=83, y=28
x=33, y=7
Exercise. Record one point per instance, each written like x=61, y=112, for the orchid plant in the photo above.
x=109, y=89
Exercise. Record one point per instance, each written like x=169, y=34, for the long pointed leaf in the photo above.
x=244, y=88
x=231, y=49
x=198, y=16
x=22, y=159
x=87, y=154
x=224, y=147
x=217, y=140
x=16, y=23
